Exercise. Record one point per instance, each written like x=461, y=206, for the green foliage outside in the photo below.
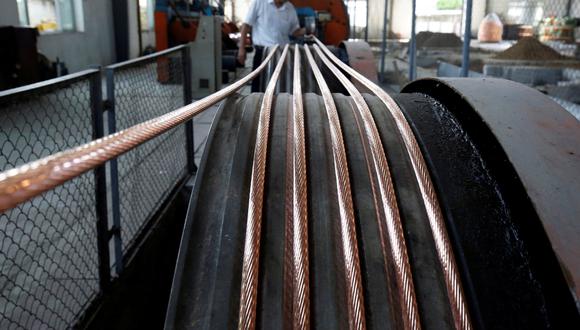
x=449, y=4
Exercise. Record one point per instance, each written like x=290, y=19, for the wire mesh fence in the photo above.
x=60, y=250
x=439, y=31
x=48, y=245
x=143, y=90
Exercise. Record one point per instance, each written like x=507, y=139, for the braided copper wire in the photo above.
x=403, y=277
x=29, y=180
x=442, y=244
x=301, y=294
x=250, y=268
x=355, y=300
x=289, y=222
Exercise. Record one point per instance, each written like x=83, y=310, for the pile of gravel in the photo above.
x=426, y=39
x=530, y=49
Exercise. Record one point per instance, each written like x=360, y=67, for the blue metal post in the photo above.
x=466, y=38
x=187, y=99
x=367, y=23
x=413, y=45
x=384, y=42
x=100, y=186
x=115, y=200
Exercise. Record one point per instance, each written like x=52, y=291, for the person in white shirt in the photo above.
x=272, y=23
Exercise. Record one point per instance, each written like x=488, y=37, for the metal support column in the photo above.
x=187, y=99
x=367, y=23
x=115, y=200
x=466, y=38
x=413, y=44
x=100, y=186
x=384, y=42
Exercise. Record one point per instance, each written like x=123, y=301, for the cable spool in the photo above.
x=495, y=260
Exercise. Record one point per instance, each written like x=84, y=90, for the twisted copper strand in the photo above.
x=251, y=259
x=442, y=244
x=301, y=295
x=29, y=180
x=288, y=287
x=350, y=254
x=395, y=235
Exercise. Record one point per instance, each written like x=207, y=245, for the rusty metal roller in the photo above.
x=327, y=263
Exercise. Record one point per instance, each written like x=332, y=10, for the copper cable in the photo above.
x=355, y=300
x=301, y=287
x=288, y=221
x=251, y=259
x=29, y=180
x=403, y=277
x=436, y=222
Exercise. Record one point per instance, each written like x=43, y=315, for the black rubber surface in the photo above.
x=504, y=287
x=510, y=275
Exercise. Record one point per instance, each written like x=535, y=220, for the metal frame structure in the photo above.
x=467, y=15
x=103, y=121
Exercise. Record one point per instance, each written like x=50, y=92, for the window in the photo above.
x=146, y=12
x=439, y=15
x=51, y=15
x=449, y=4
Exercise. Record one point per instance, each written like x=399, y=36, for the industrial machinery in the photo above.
x=198, y=23
x=453, y=205
x=176, y=22
x=328, y=204
x=331, y=19
x=201, y=25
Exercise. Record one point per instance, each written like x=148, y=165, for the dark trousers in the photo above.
x=256, y=82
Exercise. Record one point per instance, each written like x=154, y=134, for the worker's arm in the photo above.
x=295, y=29
x=242, y=47
x=299, y=32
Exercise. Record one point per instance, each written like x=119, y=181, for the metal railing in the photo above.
x=139, y=90
x=56, y=255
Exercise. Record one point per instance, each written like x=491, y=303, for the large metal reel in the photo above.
x=510, y=273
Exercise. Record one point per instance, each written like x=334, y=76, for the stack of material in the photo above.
x=530, y=49
x=426, y=39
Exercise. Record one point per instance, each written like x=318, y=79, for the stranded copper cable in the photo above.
x=436, y=222
x=288, y=286
x=23, y=183
x=301, y=289
x=403, y=277
x=349, y=246
x=251, y=259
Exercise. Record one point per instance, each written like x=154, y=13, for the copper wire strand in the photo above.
x=22, y=183
x=288, y=300
x=27, y=181
x=445, y=255
x=403, y=276
x=301, y=294
x=355, y=300
x=251, y=258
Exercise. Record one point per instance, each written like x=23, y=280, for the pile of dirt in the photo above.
x=530, y=49
x=426, y=39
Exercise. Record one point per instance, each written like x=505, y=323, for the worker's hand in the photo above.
x=242, y=56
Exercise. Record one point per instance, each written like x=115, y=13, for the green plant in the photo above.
x=449, y=4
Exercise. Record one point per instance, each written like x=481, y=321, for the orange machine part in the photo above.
x=180, y=34
x=161, y=36
x=183, y=34
x=161, y=43
x=337, y=29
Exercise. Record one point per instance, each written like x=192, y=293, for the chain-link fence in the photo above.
x=58, y=249
x=437, y=28
x=142, y=90
x=48, y=245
